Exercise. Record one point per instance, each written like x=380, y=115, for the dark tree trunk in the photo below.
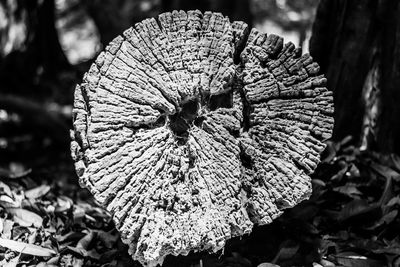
x=110, y=17
x=40, y=58
x=357, y=44
x=30, y=74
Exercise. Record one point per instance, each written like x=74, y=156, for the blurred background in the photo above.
x=47, y=45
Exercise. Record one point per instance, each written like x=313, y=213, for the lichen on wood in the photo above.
x=190, y=129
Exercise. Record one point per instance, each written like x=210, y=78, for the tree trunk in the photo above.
x=40, y=57
x=357, y=44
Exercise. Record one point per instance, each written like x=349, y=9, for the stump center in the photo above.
x=181, y=121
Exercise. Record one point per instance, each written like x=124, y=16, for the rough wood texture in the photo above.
x=190, y=129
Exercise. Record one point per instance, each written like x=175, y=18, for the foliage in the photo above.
x=54, y=222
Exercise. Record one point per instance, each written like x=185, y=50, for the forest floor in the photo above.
x=352, y=219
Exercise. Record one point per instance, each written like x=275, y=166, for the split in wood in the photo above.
x=190, y=129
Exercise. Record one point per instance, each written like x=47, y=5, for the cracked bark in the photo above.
x=190, y=129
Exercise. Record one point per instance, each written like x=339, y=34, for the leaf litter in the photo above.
x=351, y=219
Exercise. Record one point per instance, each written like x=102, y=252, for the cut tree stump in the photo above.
x=190, y=129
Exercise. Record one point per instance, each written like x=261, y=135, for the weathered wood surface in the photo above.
x=190, y=129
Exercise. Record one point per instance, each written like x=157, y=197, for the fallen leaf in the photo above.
x=353, y=171
x=78, y=213
x=19, y=231
x=64, y=203
x=385, y=171
x=351, y=259
x=386, y=219
x=389, y=217
x=395, y=161
x=13, y=262
x=388, y=250
x=26, y=248
x=6, y=189
x=70, y=237
x=53, y=260
x=32, y=237
x=327, y=263
x=359, y=210
x=70, y=249
x=267, y=264
x=70, y=260
x=348, y=190
x=8, y=202
x=93, y=254
x=86, y=240
x=394, y=201
x=7, y=227
x=318, y=182
x=345, y=141
x=37, y=192
x=25, y=217
x=44, y=264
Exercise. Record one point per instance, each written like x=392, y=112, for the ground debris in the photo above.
x=351, y=219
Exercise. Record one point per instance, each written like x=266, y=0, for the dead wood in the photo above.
x=190, y=129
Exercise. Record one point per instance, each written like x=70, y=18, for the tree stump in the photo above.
x=190, y=129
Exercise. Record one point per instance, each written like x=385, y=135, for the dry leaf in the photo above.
x=349, y=190
x=64, y=203
x=394, y=201
x=7, y=227
x=26, y=248
x=25, y=217
x=5, y=188
x=11, y=263
x=86, y=240
x=267, y=264
x=8, y=202
x=37, y=192
x=359, y=210
x=355, y=260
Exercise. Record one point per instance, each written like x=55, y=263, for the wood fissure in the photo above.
x=198, y=129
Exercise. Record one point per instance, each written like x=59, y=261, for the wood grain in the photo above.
x=190, y=129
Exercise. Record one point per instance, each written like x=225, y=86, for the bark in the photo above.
x=355, y=41
x=190, y=129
